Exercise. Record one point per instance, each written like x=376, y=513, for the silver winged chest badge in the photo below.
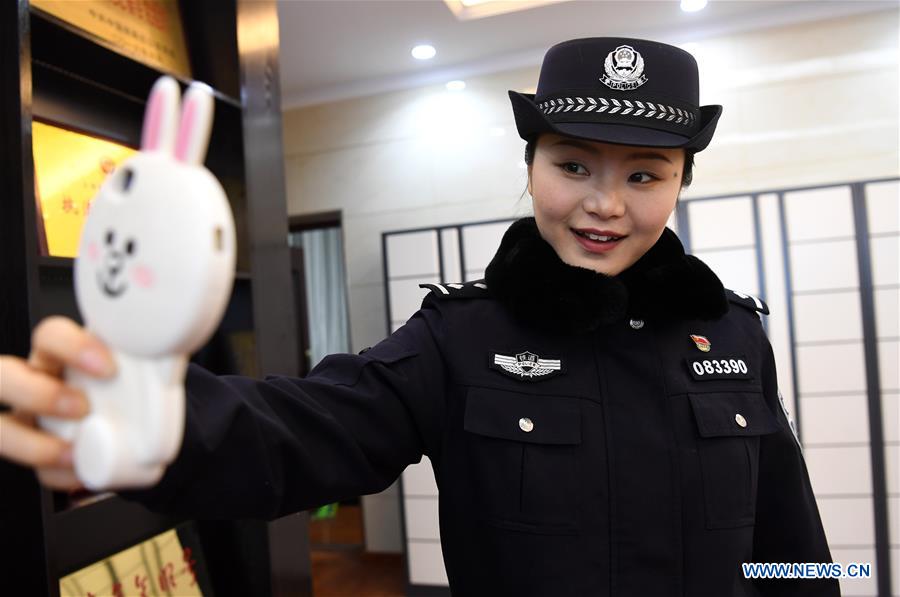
x=525, y=366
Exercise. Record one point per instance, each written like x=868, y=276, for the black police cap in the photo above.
x=618, y=90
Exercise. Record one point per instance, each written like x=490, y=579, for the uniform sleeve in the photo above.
x=266, y=448
x=788, y=526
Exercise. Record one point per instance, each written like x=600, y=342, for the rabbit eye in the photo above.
x=129, y=247
x=127, y=178
x=109, y=237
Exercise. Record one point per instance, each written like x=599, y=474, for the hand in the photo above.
x=36, y=388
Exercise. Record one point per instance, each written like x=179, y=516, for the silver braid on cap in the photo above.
x=643, y=109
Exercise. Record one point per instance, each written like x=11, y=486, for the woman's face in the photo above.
x=623, y=191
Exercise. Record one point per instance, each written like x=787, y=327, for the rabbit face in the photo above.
x=158, y=233
x=120, y=260
x=116, y=252
x=110, y=276
x=156, y=256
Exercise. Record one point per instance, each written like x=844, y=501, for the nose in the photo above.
x=113, y=262
x=605, y=201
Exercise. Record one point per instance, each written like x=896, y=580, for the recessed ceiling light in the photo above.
x=456, y=85
x=693, y=5
x=423, y=52
x=465, y=10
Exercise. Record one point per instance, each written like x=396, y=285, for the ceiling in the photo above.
x=338, y=49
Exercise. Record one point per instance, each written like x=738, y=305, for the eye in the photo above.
x=573, y=168
x=129, y=246
x=109, y=237
x=126, y=179
x=641, y=177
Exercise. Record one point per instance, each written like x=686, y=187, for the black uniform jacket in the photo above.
x=583, y=442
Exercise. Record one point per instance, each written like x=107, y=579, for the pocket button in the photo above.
x=740, y=420
x=526, y=424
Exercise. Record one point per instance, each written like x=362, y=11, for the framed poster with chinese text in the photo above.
x=146, y=30
x=69, y=168
x=168, y=564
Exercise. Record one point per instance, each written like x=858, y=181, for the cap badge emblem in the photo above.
x=702, y=343
x=624, y=69
x=525, y=365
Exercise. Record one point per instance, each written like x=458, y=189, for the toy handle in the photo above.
x=135, y=426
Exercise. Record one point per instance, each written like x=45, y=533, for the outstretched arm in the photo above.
x=266, y=448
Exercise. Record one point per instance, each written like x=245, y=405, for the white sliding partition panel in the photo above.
x=830, y=376
x=883, y=218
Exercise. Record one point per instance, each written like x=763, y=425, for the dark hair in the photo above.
x=687, y=173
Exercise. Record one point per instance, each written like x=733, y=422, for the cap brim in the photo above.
x=530, y=121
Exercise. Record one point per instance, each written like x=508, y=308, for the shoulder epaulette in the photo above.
x=747, y=300
x=473, y=289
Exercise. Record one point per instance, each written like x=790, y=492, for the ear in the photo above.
x=160, y=116
x=529, y=181
x=196, y=123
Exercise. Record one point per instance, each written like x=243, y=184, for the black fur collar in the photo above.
x=539, y=288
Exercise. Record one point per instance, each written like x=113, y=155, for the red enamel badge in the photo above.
x=702, y=342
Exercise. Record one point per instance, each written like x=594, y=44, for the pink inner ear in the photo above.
x=151, y=134
x=184, y=131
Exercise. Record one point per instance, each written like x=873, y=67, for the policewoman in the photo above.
x=602, y=416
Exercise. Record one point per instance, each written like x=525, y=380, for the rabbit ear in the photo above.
x=160, y=116
x=196, y=123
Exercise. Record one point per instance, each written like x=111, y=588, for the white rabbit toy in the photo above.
x=153, y=276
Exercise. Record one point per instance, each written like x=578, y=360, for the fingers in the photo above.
x=33, y=388
x=60, y=479
x=31, y=391
x=59, y=341
x=31, y=447
x=59, y=476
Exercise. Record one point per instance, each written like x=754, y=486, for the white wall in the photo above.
x=804, y=105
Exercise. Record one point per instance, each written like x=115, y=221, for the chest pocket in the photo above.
x=523, y=460
x=730, y=425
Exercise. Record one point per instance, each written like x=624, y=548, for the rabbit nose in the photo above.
x=114, y=262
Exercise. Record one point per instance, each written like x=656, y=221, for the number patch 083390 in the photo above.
x=722, y=368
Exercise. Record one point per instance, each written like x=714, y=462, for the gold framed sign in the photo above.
x=69, y=168
x=146, y=30
x=158, y=566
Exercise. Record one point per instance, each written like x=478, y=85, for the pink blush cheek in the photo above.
x=143, y=276
x=93, y=253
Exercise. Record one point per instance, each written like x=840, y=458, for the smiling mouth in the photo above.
x=595, y=243
x=107, y=287
x=113, y=292
x=597, y=237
